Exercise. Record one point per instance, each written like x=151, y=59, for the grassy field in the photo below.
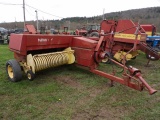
x=71, y=93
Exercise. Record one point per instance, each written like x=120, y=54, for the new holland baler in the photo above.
x=34, y=52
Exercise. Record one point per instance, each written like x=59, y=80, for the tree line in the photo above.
x=143, y=16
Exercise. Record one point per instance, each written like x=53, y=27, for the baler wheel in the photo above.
x=106, y=60
x=13, y=70
x=30, y=75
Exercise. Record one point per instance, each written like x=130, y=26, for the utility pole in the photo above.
x=15, y=23
x=69, y=25
x=37, y=18
x=103, y=14
x=24, y=13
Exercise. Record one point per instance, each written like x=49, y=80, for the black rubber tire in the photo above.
x=30, y=75
x=13, y=70
x=94, y=34
x=108, y=54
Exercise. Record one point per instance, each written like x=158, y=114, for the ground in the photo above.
x=71, y=93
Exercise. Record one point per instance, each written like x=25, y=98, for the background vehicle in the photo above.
x=19, y=30
x=53, y=31
x=3, y=31
x=90, y=31
x=3, y=35
x=93, y=30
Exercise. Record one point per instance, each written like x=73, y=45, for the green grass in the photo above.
x=71, y=93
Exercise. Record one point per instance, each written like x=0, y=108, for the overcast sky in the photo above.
x=58, y=9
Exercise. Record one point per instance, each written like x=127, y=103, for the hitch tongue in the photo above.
x=137, y=73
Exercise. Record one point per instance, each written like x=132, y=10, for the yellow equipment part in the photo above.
x=120, y=54
x=105, y=60
x=43, y=61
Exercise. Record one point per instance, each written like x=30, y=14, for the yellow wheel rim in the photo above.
x=29, y=76
x=10, y=71
x=105, y=60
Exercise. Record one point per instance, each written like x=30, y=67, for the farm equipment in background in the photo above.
x=82, y=32
x=34, y=52
x=124, y=39
x=153, y=40
x=4, y=39
x=3, y=36
x=149, y=29
x=65, y=31
x=42, y=30
x=91, y=31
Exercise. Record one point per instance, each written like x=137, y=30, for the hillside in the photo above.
x=144, y=16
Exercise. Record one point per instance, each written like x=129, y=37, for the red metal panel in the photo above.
x=83, y=56
x=83, y=42
x=31, y=29
x=127, y=30
x=84, y=50
x=148, y=27
x=108, y=25
x=42, y=40
x=16, y=44
x=125, y=25
x=21, y=43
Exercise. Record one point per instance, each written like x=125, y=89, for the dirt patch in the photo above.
x=156, y=85
x=92, y=93
x=81, y=116
x=104, y=113
x=89, y=114
x=97, y=91
x=67, y=80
